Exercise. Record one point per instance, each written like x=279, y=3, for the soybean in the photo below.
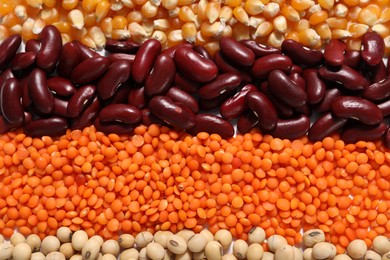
x=50, y=244
x=143, y=239
x=126, y=241
x=34, y=241
x=324, y=250
x=357, y=248
x=240, y=249
x=381, y=244
x=256, y=235
x=22, y=251
x=224, y=237
x=312, y=237
x=255, y=252
x=275, y=242
x=196, y=243
x=79, y=238
x=155, y=251
x=214, y=250
x=177, y=244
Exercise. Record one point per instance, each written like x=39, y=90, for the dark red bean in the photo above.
x=60, y=107
x=260, y=50
x=115, y=46
x=8, y=49
x=51, y=47
x=121, y=95
x=226, y=82
x=137, y=97
x=378, y=72
x=203, y=51
x=214, y=103
x=348, y=77
x=225, y=66
x=385, y=107
x=299, y=80
x=10, y=101
x=121, y=56
x=291, y=128
x=39, y=92
x=89, y=70
x=160, y=79
x=52, y=126
x=123, y=113
x=285, y=89
x=212, y=124
x=315, y=87
x=236, y=52
x=178, y=95
x=84, y=51
x=171, y=51
x=6, y=74
x=296, y=69
x=284, y=111
x=113, y=127
x=26, y=98
x=352, y=59
x=264, y=65
x=305, y=109
x=194, y=66
x=144, y=59
x=378, y=91
x=148, y=118
x=246, y=122
x=33, y=45
x=23, y=60
x=173, y=113
x=186, y=84
x=70, y=58
x=61, y=86
x=358, y=132
x=80, y=99
x=373, y=48
x=357, y=108
x=263, y=108
x=386, y=138
x=324, y=126
x=334, y=52
x=88, y=116
x=117, y=74
x=300, y=54
x=329, y=96
x=234, y=106
x=6, y=126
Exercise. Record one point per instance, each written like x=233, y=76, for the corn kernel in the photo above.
x=240, y=31
x=35, y=3
x=63, y=26
x=148, y=26
x=292, y=35
x=385, y=16
x=134, y=16
x=38, y=26
x=353, y=44
x=212, y=30
x=240, y=14
x=357, y=30
x=232, y=3
x=324, y=31
x=341, y=10
x=77, y=34
x=382, y=2
x=185, y=2
x=290, y=13
x=69, y=4
x=156, y=2
x=186, y=14
x=351, y=2
x=119, y=22
x=201, y=12
x=87, y=41
x=201, y=39
x=102, y=10
x=16, y=29
x=301, y=25
x=189, y=32
x=120, y=34
x=212, y=47
x=174, y=38
x=279, y=2
x=5, y=8
x=275, y=39
x=255, y=21
x=50, y=3
x=271, y=10
x=161, y=24
x=160, y=36
x=254, y=7
x=148, y=10
x=341, y=34
x=128, y=3
x=227, y=32
x=226, y=14
x=116, y=5
x=337, y=23
x=302, y=5
x=97, y=36
x=213, y=10
x=309, y=37
x=280, y=24
x=106, y=26
x=50, y=15
x=66, y=38
x=326, y=4
x=387, y=45
x=10, y=20
x=89, y=5
x=264, y=29
x=381, y=29
x=90, y=19
x=318, y=17
x=26, y=32
x=366, y=16
x=21, y=12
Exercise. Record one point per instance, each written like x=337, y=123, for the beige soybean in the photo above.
x=167, y=254
x=177, y=245
x=143, y=238
x=130, y=253
x=55, y=256
x=229, y=257
x=155, y=251
x=185, y=234
x=213, y=250
x=110, y=247
x=79, y=238
x=34, y=241
x=67, y=249
x=185, y=256
x=108, y=257
x=312, y=237
x=196, y=243
x=64, y=234
x=357, y=248
x=307, y=253
x=224, y=237
x=342, y=257
x=126, y=241
x=37, y=256
x=256, y=235
x=298, y=255
x=90, y=249
x=255, y=252
x=372, y=255
x=386, y=256
x=268, y=256
x=285, y=252
x=275, y=242
x=1, y=238
x=207, y=234
x=240, y=248
x=162, y=237
x=381, y=244
x=98, y=239
x=142, y=254
x=199, y=255
x=324, y=250
x=50, y=244
x=17, y=238
x=22, y=251
x=76, y=257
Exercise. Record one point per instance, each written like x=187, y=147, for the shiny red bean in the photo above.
x=113, y=127
x=88, y=116
x=212, y=124
x=246, y=122
x=121, y=95
x=80, y=99
x=296, y=69
x=121, y=56
x=348, y=77
x=10, y=101
x=334, y=52
x=264, y=65
x=373, y=48
x=8, y=49
x=352, y=59
x=299, y=80
x=300, y=54
x=284, y=111
x=4, y=75
x=203, y=51
x=144, y=59
x=61, y=86
x=386, y=138
x=70, y=58
x=236, y=52
x=315, y=87
x=263, y=108
x=26, y=98
x=358, y=132
x=6, y=126
x=285, y=89
x=291, y=128
x=33, y=45
x=330, y=95
x=226, y=82
x=89, y=70
x=52, y=126
x=236, y=105
x=214, y=103
x=178, y=95
x=160, y=79
x=171, y=51
x=60, y=107
x=324, y=126
x=194, y=66
x=357, y=108
x=148, y=118
x=385, y=107
x=378, y=91
x=173, y=113
x=51, y=47
x=123, y=113
x=260, y=50
x=39, y=92
x=137, y=97
x=378, y=72
x=116, y=46
x=23, y=60
x=117, y=74
x=186, y=84
x=84, y=51
x=225, y=66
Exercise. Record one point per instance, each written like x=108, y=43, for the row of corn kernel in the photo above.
x=159, y=179
x=173, y=21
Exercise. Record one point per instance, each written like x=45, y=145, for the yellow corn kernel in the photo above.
x=5, y=8
x=240, y=14
x=50, y=3
x=280, y=24
x=120, y=34
x=255, y=21
x=227, y=31
x=185, y=2
x=301, y=25
x=63, y=26
x=69, y=4
x=66, y=38
x=102, y=10
x=387, y=45
x=309, y=37
x=232, y=21
x=382, y=2
x=381, y=29
x=357, y=30
x=241, y=31
x=232, y=3
x=324, y=31
x=213, y=10
x=78, y=34
x=318, y=17
x=169, y=4
x=337, y=23
x=134, y=16
x=160, y=36
x=89, y=5
x=292, y=35
x=212, y=30
x=10, y=20
x=189, y=31
x=90, y=19
x=156, y=2
x=340, y=34
x=26, y=32
x=136, y=29
x=212, y=47
x=254, y=7
x=194, y=8
x=106, y=26
x=353, y=44
x=201, y=40
x=385, y=16
x=351, y=2
x=313, y=9
x=290, y=13
x=50, y=15
x=275, y=39
x=162, y=13
x=174, y=38
x=186, y=14
x=301, y=5
x=128, y=3
x=35, y=3
x=161, y=24
x=116, y=5
x=326, y=4
x=87, y=41
x=279, y=2
x=201, y=12
x=119, y=22
x=21, y=12
x=38, y=26
x=271, y=10
x=148, y=10
x=264, y=29
x=148, y=26
x=341, y=10
x=16, y=29
x=226, y=14
x=368, y=17
x=353, y=13
x=97, y=36
x=4, y=33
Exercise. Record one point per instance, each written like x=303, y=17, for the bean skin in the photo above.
x=84, y=51
x=178, y=95
x=6, y=126
x=89, y=70
x=117, y=74
x=225, y=66
x=298, y=80
x=88, y=116
x=4, y=75
x=70, y=58
x=265, y=65
x=386, y=138
x=144, y=59
x=209, y=104
x=226, y=82
x=148, y=118
x=52, y=126
x=378, y=91
x=357, y=132
x=236, y=105
x=203, y=51
x=10, y=97
x=315, y=87
x=61, y=86
x=385, y=107
x=115, y=46
x=80, y=99
x=334, y=52
x=291, y=128
x=352, y=59
x=357, y=108
x=124, y=113
x=236, y=52
x=8, y=49
x=349, y=78
x=246, y=122
x=260, y=50
x=284, y=110
x=160, y=79
x=60, y=107
x=121, y=95
x=324, y=126
x=137, y=97
x=373, y=48
x=212, y=124
x=329, y=96
x=23, y=60
x=33, y=45
x=263, y=108
x=39, y=92
x=51, y=47
x=113, y=127
x=300, y=54
x=186, y=84
x=121, y=56
x=378, y=72
x=171, y=51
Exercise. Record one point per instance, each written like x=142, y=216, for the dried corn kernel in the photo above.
x=264, y=29
x=280, y=24
x=254, y=7
x=38, y=26
x=97, y=35
x=160, y=36
x=358, y=29
x=69, y=4
x=106, y=26
x=134, y=16
x=341, y=10
x=225, y=14
x=290, y=13
x=50, y=3
x=271, y=10
x=309, y=37
x=148, y=10
x=233, y=3
x=337, y=23
x=21, y=12
x=161, y=24
x=275, y=39
x=301, y=5
x=212, y=30
x=341, y=34
x=119, y=34
x=212, y=10
x=240, y=14
x=38, y=4
x=326, y=4
x=324, y=31
x=76, y=18
x=381, y=29
x=102, y=10
x=116, y=5
x=175, y=37
x=89, y=5
x=189, y=32
x=318, y=17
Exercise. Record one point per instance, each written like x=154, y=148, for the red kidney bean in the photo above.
x=60, y=107
x=329, y=96
x=285, y=89
x=6, y=126
x=263, y=108
x=39, y=92
x=173, y=113
x=291, y=128
x=51, y=47
x=378, y=91
x=33, y=45
x=304, y=109
x=357, y=108
x=260, y=50
x=10, y=102
x=234, y=106
x=315, y=87
x=61, y=86
x=70, y=58
x=115, y=46
x=209, y=104
x=357, y=132
x=348, y=77
x=117, y=74
x=89, y=70
x=373, y=48
x=296, y=69
x=194, y=66
x=334, y=52
x=144, y=59
x=148, y=118
x=121, y=95
x=113, y=127
x=385, y=107
x=324, y=126
x=4, y=75
x=226, y=82
x=137, y=97
x=298, y=79
x=378, y=72
x=52, y=126
x=121, y=56
x=212, y=124
x=84, y=51
x=236, y=52
x=171, y=51
x=8, y=49
x=203, y=51
x=386, y=138
x=80, y=99
x=225, y=66
x=300, y=54
x=178, y=95
x=284, y=111
x=160, y=79
x=23, y=60
x=26, y=98
x=352, y=59
x=246, y=122
x=186, y=84
x=264, y=65
x=123, y=113
x=88, y=116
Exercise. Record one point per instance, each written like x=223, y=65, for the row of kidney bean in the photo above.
x=51, y=87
